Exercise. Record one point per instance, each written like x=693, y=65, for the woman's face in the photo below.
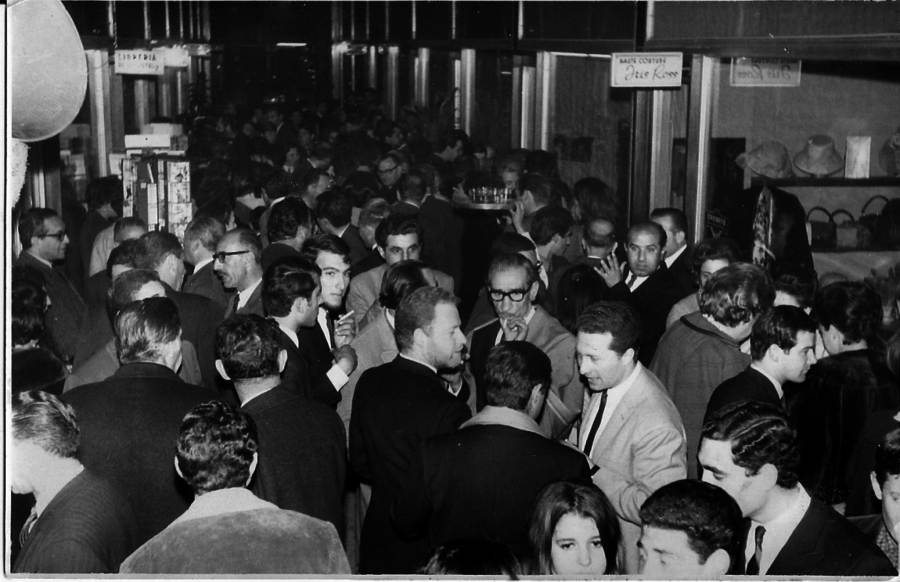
x=576, y=548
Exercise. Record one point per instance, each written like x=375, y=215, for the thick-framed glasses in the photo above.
x=221, y=255
x=57, y=235
x=515, y=295
x=388, y=170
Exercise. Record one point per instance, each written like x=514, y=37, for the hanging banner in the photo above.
x=139, y=62
x=753, y=72
x=646, y=70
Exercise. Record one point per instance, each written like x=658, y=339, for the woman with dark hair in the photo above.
x=472, y=558
x=33, y=367
x=579, y=287
x=574, y=531
x=842, y=390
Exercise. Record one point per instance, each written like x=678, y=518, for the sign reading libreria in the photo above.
x=139, y=62
x=753, y=72
x=646, y=70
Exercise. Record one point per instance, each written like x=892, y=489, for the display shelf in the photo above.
x=830, y=182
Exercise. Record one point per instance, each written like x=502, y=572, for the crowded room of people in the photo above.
x=508, y=289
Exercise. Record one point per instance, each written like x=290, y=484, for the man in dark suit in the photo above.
x=472, y=484
x=646, y=284
x=370, y=216
x=302, y=451
x=161, y=252
x=397, y=406
x=678, y=251
x=334, y=211
x=200, y=239
x=441, y=228
x=598, y=242
x=325, y=345
x=237, y=264
x=129, y=421
x=43, y=236
x=751, y=450
x=389, y=170
x=881, y=529
x=290, y=224
x=782, y=345
x=292, y=296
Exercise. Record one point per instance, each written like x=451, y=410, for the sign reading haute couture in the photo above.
x=646, y=70
x=753, y=72
x=139, y=62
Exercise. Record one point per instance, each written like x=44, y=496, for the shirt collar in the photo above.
x=203, y=263
x=674, y=257
x=291, y=334
x=501, y=415
x=777, y=384
x=37, y=258
x=246, y=293
x=779, y=529
x=429, y=366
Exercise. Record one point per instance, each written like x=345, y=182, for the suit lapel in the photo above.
x=801, y=553
x=622, y=413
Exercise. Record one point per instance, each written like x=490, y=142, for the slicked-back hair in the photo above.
x=647, y=226
x=249, y=241
x=852, y=307
x=759, y=434
x=550, y=221
x=31, y=224
x=540, y=187
x=127, y=222
x=373, y=212
x=594, y=237
x=46, y=421
x=325, y=243
x=616, y=318
x=779, y=326
x=887, y=457
x=715, y=249
x=401, y=279
x=511, y=243
x=801, y=284
x=28, y=306
x=398, y=225
x=215, y=447
x=513, y=369
x=412, y=187
x=207, y=230
x=336, y=207
x=153, y=248
x=508, y=262
x=125, y=255
x=737, y=294
x=103, y=191
x=286, y=217
x=416, y=311
x=124, y=289
x=708, y=515
x=144, y=327
x=283, y=283
x=596, y=199
x=675, y=215
x=559, y=499
x=248, y=346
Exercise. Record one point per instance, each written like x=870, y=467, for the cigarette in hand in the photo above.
x=345, y=316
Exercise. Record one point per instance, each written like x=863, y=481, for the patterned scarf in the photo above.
x=762, y=229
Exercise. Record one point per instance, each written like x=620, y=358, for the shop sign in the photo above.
x=646, y=70
x=716, y=224
x=753, y=72
x=139, y=62
x=174, y=56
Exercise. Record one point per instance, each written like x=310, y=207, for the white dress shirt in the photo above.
x=244, y=296
x=614, y=396
x=778, y=531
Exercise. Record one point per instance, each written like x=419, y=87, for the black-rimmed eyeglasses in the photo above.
x=515, y=295
x=388, y=170
x=220, y=256
x=57, y=235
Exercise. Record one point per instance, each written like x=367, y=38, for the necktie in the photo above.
x=234, y=302
x=464, y=392
x=589, y=443
x=631, y=279
x=753, y=564
x=26, y=529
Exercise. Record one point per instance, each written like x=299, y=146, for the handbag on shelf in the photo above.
x=887, y=225
x=851, y=234
x=822, y=233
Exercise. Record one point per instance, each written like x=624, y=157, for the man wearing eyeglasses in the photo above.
x=43, y=236
x=390, y=170
x=512, y=288
x=237, y=260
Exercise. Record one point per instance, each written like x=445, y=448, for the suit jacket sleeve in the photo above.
x=356, y=299
x=412, y=508
x=457, y=414
x=658, y=460
x=566, y=398
x=359, y=460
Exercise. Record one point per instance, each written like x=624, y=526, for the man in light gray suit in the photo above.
x=630, y=428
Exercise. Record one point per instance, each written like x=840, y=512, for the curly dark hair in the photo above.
x=616, y=318
x=248, y=347
x=737, y=294
x=853, y=308
x=512, y=371
x=779, y=326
